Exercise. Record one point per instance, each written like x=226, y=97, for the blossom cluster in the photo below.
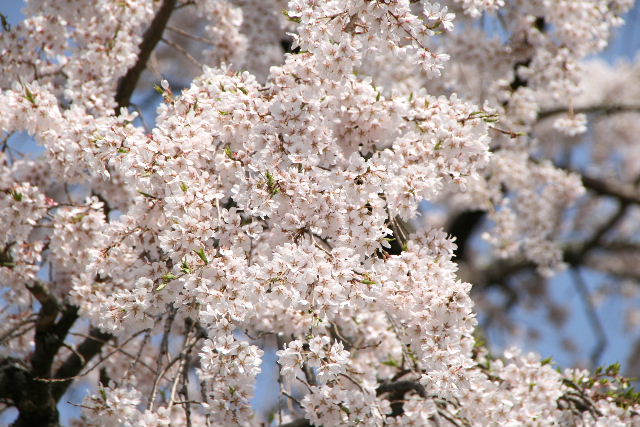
x=275, y=205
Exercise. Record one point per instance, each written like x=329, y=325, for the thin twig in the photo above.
x=15, y=329
x=593, y=109
x=95, y=365
x=186, y=348
x=592, y=315
x=293, y=399
x=183, y=51
x=189, y=35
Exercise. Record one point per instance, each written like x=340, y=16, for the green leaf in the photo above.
x=202, y=255
x=185, y=267
x=29, y=96
x=391, y=362
x=229, y=153
x=183, y=187
x=169, y=277
x=547, y=361
x=291, y=18
x=76, y=219
x=272, y=184
x=614, y=369
x=147, y=194
x=161, y=286
x=17, y=196
x=5, y=23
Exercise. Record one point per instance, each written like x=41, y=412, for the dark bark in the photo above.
x=395, y=394
x=462, y=228
x=151, y=38
x=396, y=391
x=31, y=399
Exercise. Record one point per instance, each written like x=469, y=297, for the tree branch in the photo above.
x=300, y=422
x=401, y=387
x=397, y=391
x=90, y=347
x=462, y=227
x=576, y=256
x=604, y=188
x=593, y=109
x=151, y=37
x=592, y=315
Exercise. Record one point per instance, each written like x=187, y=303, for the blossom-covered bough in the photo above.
x=276, y=208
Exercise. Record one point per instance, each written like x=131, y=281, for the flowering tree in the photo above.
x=277, y=208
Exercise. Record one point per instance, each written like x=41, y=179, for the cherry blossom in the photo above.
x=274, y=204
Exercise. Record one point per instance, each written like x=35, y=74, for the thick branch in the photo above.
x=401, y=387
x=19, y=382
x=149, y=41
x=462, y=227
x=604, y=188
x=397, y=391
x=49, y=307
x=34, y=404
